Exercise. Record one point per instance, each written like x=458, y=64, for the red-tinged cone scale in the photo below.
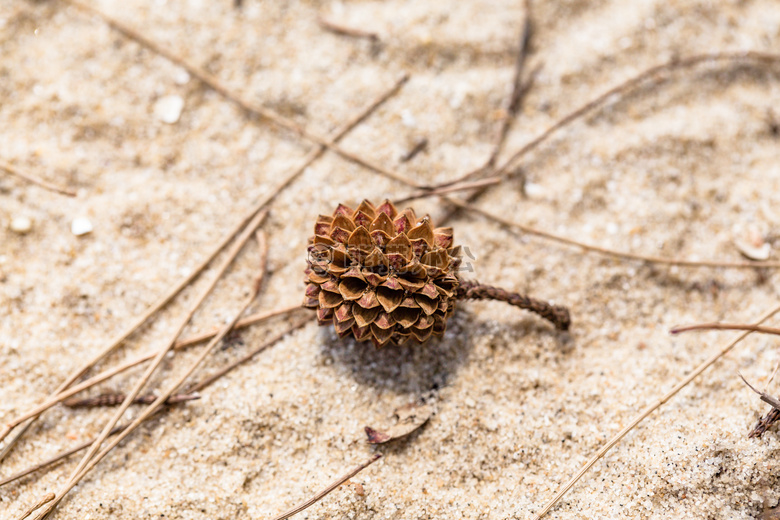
x=386, y=276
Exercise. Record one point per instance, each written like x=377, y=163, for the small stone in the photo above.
x=21, y=225
x=181, y=76
x=534, y=191
x=408, y=119
x=168, y=108
x=80, y=226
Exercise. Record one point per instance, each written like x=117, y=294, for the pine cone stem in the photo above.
x=555, y=314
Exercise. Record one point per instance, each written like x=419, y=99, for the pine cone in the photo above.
x=381, y=275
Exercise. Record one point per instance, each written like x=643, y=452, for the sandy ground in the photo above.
x=680, y=169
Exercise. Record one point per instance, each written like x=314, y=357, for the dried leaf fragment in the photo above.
x=410, y=417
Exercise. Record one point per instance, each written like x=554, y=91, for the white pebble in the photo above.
x=21, y=225
x=168, y=108
x=408, y=119
x=181, y=77
x=534, y=191
x=80, y=226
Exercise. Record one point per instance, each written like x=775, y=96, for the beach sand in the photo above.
x=164, y=167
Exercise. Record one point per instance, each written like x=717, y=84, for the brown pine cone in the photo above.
x=389, y=277
x=382, y=275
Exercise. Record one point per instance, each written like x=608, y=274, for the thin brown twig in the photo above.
x=621, y=89
x=30, y=510
x=419, y=145
x=49, y=462
x=768, y=399
x=333, y=485
x=490, y=181
x=13, y=170
x=197, y=387
x=725, y=326
x=647, y=411
x=343, y=30
x=111, y=372
x=306, y=162
x=610, y=252
x=93, y=455
x=223, y=90
x=262, y=244
x=772, y=377
x=73, y=390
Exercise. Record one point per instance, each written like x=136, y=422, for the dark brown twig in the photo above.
x=343, y=30
x=555, y=314
x=117, y=399
x=419, y=145
x=35, y=180
x=333, y=485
